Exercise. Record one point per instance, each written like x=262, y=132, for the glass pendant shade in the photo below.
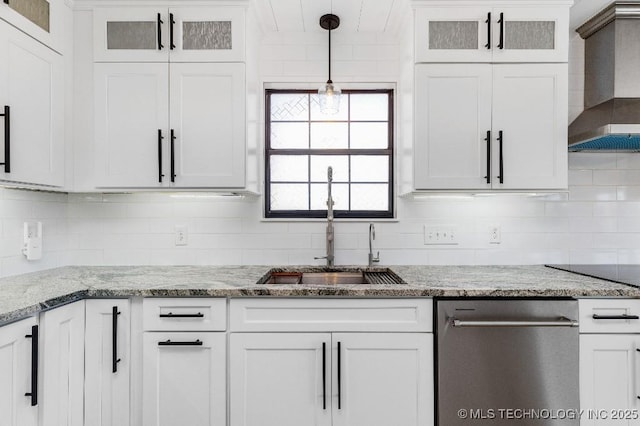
x=329, y=95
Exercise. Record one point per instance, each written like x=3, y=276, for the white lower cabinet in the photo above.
x=107, y=362
x=62, y=360
x=16, y=352
x=609, y=384
x=184, y=379
x=290, y=379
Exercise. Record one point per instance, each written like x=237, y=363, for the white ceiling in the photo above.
x=377, y=16
x=304, y=15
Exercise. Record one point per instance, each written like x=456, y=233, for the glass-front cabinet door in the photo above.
x=40, y=19
x=492, y=34
x=181, y=34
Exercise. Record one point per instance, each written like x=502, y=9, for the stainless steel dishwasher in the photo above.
x=505, y=362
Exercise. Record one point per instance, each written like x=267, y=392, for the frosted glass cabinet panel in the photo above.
x=41, y=19
x=492, y=34
x=185, y=34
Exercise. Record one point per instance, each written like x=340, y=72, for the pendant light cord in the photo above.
x=330, y=54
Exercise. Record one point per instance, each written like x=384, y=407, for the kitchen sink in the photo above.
x=332, y=277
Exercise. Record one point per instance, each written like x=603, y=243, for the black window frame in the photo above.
x=338, y=214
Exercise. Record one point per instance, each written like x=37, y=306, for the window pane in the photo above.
x=369, y=135
x=289, y=107
x=293, y=196
x=341, y=115
x=370, y=106
x=370, y=197
x=369, y=168
x=320, y=163
x=339, y=193
x=289, y=135
x=289, y=168
x=329, y=135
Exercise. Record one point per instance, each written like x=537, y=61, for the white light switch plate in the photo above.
x=181, y=235
x=440, y=235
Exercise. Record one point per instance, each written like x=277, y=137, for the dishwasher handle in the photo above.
x=562, y=322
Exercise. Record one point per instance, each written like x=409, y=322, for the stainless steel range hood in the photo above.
x=611, y=119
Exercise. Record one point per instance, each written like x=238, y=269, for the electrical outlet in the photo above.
x=495, y=235
x=440, y=235
x=181, y=235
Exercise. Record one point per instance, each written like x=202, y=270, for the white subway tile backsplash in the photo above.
x=592, y=193
x=588, y=160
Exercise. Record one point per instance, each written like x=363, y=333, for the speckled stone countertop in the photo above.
x=26, y=294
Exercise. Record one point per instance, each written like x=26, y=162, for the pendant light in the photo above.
x=329, y=94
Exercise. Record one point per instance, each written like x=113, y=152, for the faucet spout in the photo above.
x=329, y=233
x=372, y=236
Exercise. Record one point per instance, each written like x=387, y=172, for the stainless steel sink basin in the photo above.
x=332, y=277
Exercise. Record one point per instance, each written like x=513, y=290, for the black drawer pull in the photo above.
x=324, y=376
x=114, y=339
x=501, y=21
x=7, y=138
x=172, y=22
x=488, y=22
x=34, y=365
x=168, y=342
x=615, y=317
x=159, y=31
x=172, y=315
x=488, y=140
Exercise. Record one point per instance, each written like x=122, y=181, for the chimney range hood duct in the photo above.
x=611, y=119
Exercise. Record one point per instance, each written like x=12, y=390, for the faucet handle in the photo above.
x=377, y=258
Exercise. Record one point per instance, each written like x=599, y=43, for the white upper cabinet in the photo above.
x=181, y=34
x=145, y=141
x=484, y=126
x=207, y=116
x=41, y=19
x=492, y=33
x=32, y=108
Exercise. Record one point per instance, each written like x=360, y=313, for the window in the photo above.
x=301, y=143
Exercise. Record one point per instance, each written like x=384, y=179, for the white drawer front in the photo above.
x=184, y=314
x=609, y=315
x=293, y=314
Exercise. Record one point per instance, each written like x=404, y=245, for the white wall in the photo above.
x=595, y=222
x=18, y=206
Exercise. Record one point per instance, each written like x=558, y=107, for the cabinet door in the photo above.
x=131, y=108
x=453, y=34
x=382, y=379
x=208, y=121
x=531, y=34
x=31, y=84
x=107, y=362
x=530, y=109
x=206, y=34
x=608, y=377
x=452, y=117
x=126, y=34
x=15, y=371
x=42, y=19
x=62, y=332
x=276, y=379
x=184, y=379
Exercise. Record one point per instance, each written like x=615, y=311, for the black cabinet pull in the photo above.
x=339, y=378
x=488, y=140
x=171, y=24
x=501, y=22
x=501, y=165
x=34, y=365
x=615, y=317
x=324, y=376
x=168, y=342
x=172, y=315
x=160, y=22
x=7, y=137
x=488, y=22
x=173, y=156
x=114, y=339
x=160, y=138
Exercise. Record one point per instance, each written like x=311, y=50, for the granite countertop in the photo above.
x=26, y=294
